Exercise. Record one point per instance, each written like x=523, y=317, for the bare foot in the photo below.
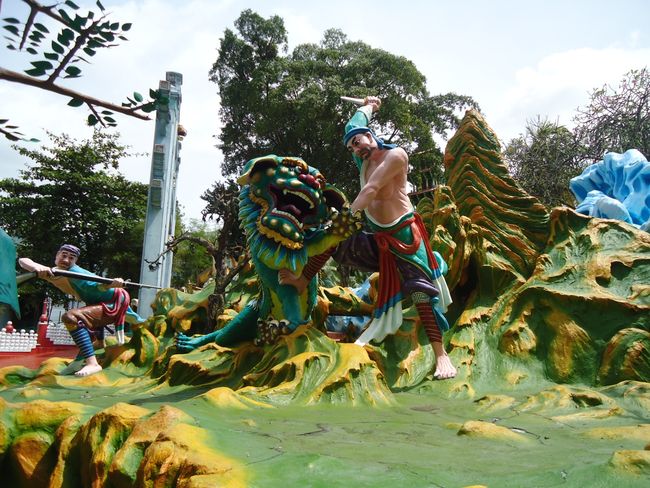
x=444, y=367
x=91, y=367
x=287, y=277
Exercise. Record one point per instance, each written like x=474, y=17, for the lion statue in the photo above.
x=288, y=213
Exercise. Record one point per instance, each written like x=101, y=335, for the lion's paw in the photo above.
x=345, y=223
x=268, y=331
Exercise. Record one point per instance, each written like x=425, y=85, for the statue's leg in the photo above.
x=119, y=333
x=422, y=303
x=242, y=328
x=77, y=322
x=444, y=367
x=358, y=251
x=316, y=263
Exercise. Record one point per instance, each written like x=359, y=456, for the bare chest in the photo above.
x=396, y=184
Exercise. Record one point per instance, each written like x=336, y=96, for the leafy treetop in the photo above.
x=289, y=104
x=548, y=155
x=73, y=193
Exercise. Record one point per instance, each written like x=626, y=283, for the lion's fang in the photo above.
x=301, y=195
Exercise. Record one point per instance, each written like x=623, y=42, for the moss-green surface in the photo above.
x=415, y=442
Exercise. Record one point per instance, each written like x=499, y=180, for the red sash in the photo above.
x=389, y=281
x=118, y=307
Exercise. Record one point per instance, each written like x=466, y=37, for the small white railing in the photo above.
x=17, y=341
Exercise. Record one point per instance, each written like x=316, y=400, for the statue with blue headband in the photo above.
x=396, y=245
x=106, y=303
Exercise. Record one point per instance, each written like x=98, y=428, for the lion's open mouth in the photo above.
x=294, y=205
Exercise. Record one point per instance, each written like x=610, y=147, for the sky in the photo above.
x=517, y=59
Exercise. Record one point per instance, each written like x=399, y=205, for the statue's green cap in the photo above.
x=358, y=124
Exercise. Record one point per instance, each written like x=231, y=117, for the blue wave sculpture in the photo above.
x=618, y=187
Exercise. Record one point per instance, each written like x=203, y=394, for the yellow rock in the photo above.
x=562, y=396
x=225, y=397
x=100, y=438
x=569, y=343
x=64, y=439
x=518, y=340
x=460, y=389
x=35, y=392
x=590, y=415
x=639, y=432
x=44, y=414
x=52, y=366
x=125, y=463
x=487, y=430
x=464, y=339
x=489, y=403
x=636, y=462
x=180, y=456
x=30, y=460
x=515, y=377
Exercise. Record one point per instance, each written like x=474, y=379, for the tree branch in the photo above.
x=80, y=41
x=243, y=261
x=16, y=77
x=28, y=26
x=97, y=116
x=37, y=7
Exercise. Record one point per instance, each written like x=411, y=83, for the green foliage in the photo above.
x=548, y=155
x=12, y=133
x=72, y=192
x=190, y=258
x=617, y=120
x=290, y=104
x=85, y=32
x=543, y=160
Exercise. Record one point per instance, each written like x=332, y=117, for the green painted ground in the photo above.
x=416, y=442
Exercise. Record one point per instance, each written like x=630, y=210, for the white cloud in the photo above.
x=557, y=85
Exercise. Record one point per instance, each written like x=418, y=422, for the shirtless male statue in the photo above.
x=397, y=247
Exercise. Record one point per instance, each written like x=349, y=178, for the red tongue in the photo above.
x=292, y=209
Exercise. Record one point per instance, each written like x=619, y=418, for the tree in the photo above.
x=60, y=56
x=290, y=104
x=190, y=257
x=543, y=160
x=224, y=253
x=73, y=193
x=548, y=155
x=223, y=208
x=615, y=121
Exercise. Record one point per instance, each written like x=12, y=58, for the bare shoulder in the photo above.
x=397, y=155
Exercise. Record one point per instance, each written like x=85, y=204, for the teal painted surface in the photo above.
x=8, y=289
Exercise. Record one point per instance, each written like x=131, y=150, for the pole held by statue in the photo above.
x=356, y=101
x=21, y=278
